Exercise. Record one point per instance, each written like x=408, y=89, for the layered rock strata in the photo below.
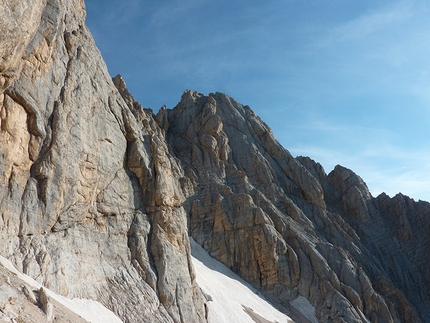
x=90, y=199
x=99, y=196
x=293, y=231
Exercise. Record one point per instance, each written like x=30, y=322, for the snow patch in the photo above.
x=92, y=311
x=233, y=299
x=305, y=307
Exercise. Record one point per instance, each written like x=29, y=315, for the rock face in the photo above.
x=22, y=299
x=19, y=303
x=99, y=196
x=290, y=229
x=91, y=204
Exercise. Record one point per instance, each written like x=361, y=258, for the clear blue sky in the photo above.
x=342, y=81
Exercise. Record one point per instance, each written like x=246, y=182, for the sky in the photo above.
x=341, y=81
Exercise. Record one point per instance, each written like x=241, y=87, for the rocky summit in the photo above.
x=100, y=198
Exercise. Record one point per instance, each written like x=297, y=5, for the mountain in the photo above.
x=99, y=198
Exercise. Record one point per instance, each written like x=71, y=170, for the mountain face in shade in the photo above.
x=290, y=229
x=99, y=197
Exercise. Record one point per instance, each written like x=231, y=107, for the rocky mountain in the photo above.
x=99, y=197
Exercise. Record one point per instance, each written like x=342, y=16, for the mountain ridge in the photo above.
x=99, y=196
x=341, y=191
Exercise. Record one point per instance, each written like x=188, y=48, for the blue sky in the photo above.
x=342, y=81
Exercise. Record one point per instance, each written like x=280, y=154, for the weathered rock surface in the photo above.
x=20, y=303
x=98, y=196
x=22, y=299
x=90, y=199
x=287, y=227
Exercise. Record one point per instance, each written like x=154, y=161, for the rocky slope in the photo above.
x=293, y=231
x=99, y=195
x=22, y=299
x=231, y=298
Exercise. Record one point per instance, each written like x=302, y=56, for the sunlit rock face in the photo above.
x=90, y=199
x=99, y=196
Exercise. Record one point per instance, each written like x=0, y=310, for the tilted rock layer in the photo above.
x=99, y=196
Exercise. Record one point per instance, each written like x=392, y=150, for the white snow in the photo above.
x=229, y=292
x=90, y=310
x=305, y=307
x=230, y=295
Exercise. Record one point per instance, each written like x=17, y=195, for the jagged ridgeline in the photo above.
x=99, y=198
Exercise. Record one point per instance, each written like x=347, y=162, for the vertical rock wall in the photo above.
x=91, y=205
x=287, y=227
x=98, y=196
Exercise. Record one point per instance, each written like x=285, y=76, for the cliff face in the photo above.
x=90, y=199
x=99, y=196
x=289, y=228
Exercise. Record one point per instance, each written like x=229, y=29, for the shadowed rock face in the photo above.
x=98, y=196
x=287, y=227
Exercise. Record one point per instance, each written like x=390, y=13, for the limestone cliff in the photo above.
x=90, y=199
x=99, y=196
x=290, y=229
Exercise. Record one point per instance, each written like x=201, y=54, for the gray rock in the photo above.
x=99, y=196
x=89, y=196
x=29, y=294
x=46, y=305
x=286, y=226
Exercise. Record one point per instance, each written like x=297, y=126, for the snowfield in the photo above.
x=233, y=299
x=92, y=311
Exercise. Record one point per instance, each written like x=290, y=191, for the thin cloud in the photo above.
x=173, y=13
x=380, y=156
x=385, y=167
x=371, y=23
x=288, y=107
x=381, y=49
x=348, y=89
